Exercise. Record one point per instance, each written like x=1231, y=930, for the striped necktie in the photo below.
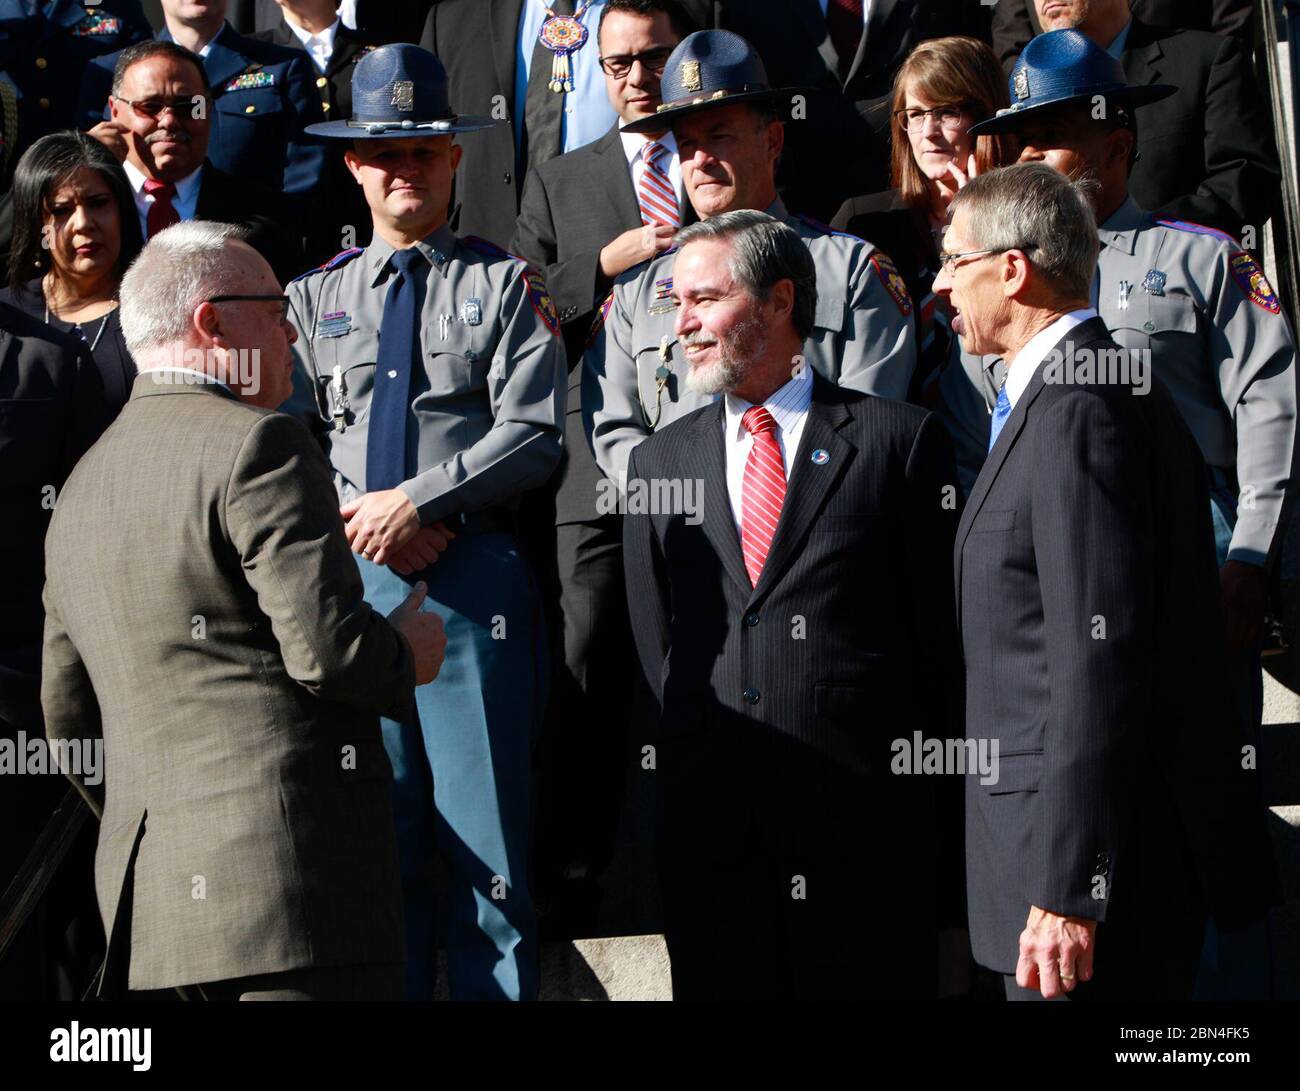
x=763, y=491
x=655, y=194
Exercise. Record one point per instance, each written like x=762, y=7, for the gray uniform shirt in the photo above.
x=864, y=338
x=488, y=411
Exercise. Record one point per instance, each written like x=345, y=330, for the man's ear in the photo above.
x=781, y=296
x=456, y=152
x=206, y=321
x=775, y=140
x=1015, y=273
x=353, y=162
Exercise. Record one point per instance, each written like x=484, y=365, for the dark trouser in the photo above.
x=370, y=982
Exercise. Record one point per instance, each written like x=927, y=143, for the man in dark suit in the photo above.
x=263, y=98
x=378, y=22
x=1205, y=154
x=1092, y=632
x=786, y=548
x=587, y=217
x=845, y=53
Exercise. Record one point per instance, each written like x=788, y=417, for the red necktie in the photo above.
x=655, y=194
x=844, y=22
x=162, y=213
x=763, y=491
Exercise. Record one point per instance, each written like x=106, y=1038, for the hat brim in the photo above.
x=663, y=119
x=346, y=130
x=1008, y=121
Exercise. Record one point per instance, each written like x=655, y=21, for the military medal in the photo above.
x=663, y=300
x=562, y=35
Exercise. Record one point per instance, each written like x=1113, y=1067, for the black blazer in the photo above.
x=378, y=21
x=274, y=228
x=1092, y=630
x=860, y=555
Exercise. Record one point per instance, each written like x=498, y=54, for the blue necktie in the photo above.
x=1001, y=411
x=399, y=360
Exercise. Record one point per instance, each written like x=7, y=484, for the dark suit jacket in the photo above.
x=247, y=754
x=274, y=228
x=378, y=21
x=1093, y=636
x=859, y=555
x=51, y=411
x=840, y=148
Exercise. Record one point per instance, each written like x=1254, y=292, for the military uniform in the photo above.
x=634, y=380
x=486, y=425
x=44, y=48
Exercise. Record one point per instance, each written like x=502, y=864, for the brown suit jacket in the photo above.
x=204, y=617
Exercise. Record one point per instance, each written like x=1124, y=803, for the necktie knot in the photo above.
x=758, y=421
x=156, y=189
x=406, y=262
x=652, y=151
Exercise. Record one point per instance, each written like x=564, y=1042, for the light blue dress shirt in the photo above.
x=1116, y=48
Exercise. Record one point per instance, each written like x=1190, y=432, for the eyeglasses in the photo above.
x=186, y=106
x=621, y=64
x=283, y=300
x=951, y=118
x=947, y=261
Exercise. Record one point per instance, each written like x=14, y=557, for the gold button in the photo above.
x=325, y=106
x=41, y=62
x=44, y=104
x=321, y=81
x=249, y=109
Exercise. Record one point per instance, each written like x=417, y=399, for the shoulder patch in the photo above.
x=1199, y=229
x=541, y=300
x=1251, y=279
x=490, y=249
x=598, y=322
x=892, y=279
x=333, y=263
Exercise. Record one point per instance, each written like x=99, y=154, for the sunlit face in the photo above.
x=934, y=144
x=407, y=180
x=1066, y=140
x=623, y=34
x=189, y=11
x=83, y=227
x=720, y=327
x=973, y=288
x=728, y=158
x=174, y=143
x=1066, y=14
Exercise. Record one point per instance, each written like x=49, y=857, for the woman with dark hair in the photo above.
x=75, y=232
x=944, y=87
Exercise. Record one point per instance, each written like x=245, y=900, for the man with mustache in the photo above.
x=724, y=115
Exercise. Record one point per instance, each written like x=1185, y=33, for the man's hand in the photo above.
x=635, y=245
x=380, y=523
x=1245, y=597
x=423, y=633
x=112, y=135
x=422, y=550
x=1055, y=952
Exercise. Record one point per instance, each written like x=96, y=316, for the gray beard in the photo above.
x=747, y=342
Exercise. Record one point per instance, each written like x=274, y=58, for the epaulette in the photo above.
x=826, y=229
x=1200, y=229
x=483, y=246
x=333, y=263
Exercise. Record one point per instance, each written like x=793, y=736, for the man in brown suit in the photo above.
x=204, y=617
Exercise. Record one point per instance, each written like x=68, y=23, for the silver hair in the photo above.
x=176, y=271
x=763, y=251
x=1031, y=207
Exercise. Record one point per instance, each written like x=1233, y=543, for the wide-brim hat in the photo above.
x=399, y=90
x=711, y=68
x=1061, y=68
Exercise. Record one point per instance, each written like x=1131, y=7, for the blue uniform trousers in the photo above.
x=461, y=769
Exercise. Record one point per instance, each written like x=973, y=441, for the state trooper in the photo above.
x=724, y=115
x=434, y=368
x=1199, y=313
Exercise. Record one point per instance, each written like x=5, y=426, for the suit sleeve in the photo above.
x=304, y=158
x=647, y=592
x=283, y=519
x=1012, y=30
x=527, y=384
x=611, y=405
x=1090, y=500
x=879, y=351
x=92, y=100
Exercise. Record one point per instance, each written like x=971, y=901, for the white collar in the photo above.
x=1028, y=358
x=184, y=188
x=787, y=405
x=635, y=143
x=325, y=37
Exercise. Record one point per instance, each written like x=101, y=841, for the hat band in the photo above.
x=441, y=124
x=715, y=96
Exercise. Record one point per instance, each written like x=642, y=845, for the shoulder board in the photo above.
x=492, y=250
x=826, y=229
x=1199, y=229
x=333, y=263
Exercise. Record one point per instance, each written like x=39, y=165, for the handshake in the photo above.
x=423, y=633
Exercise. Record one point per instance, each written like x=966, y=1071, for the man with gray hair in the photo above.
x=788, y=631
x=1092, y=632
x=215, y=637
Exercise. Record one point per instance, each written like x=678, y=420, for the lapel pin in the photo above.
x=820, y=457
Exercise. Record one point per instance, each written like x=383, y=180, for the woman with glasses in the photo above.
x=944, y=87
x=75, y=232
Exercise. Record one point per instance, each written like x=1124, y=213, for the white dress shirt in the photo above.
x=319, y=46
x=635, y=143
x=185, y=202
x=1028, y=358
x=789, y=408
x=348, y=13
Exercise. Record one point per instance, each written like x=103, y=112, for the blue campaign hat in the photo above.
x=399, y=90
x=709, y=68
x=1063, y=67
